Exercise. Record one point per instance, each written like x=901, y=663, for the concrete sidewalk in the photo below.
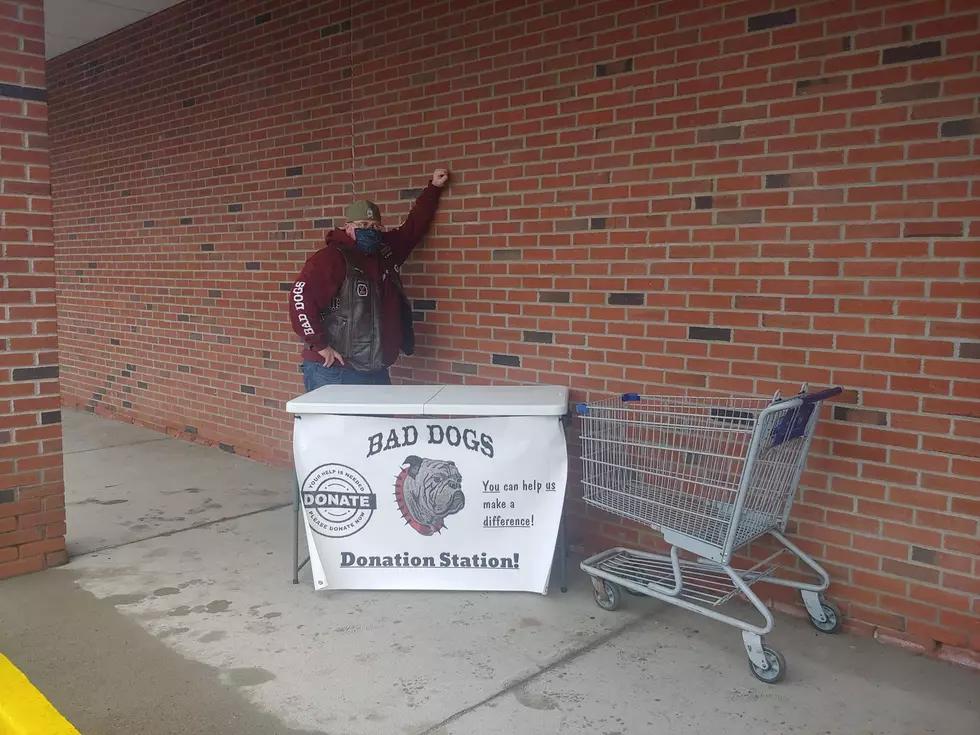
x=178, y=616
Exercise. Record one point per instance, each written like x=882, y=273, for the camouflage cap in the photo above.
x=363, y=210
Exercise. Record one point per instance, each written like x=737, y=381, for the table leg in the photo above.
x=295, y=529
x=563, y=553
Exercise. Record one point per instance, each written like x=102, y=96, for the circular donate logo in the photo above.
x=338, y=501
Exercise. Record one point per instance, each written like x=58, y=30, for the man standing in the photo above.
x=348, y=305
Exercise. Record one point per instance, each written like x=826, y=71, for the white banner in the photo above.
x=431, y=503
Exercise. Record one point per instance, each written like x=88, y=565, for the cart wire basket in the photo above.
x=712, y=475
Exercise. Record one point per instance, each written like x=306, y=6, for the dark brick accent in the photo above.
x=17, y=92
x=186, y=220
x=253, y=266
x=772, y=20
x=141, y=385
x=294, y=171
x=910, y=92
x=970, y=350
x=410, y=194
x=846, y=43
x=554, y=297
x=418, y=316
x=189, y=102
x=781, y=181
x=322, y=224
x=903, y=569
x=821, y=85
x=7, y=496
x=4, y=437
x=623, y=66
x=424, y=305
x=264, y=18
x=93, y=265
x=127, y=404
x=626, y=299
x=312, y=146
x=860, y=416
x=933, y=229
x=131, y=368
x=126, y=192
x=915, y=52
x=285, y=286
x=207, y=248
x=539, y=338
x=957, y=128
x=740, y=217
x=464, y=368
x=183, y=368
x=508, y=254
x=214, y=293
x=183, y=318
x=334, y=28
x=234, y=207
x=710, y=334
x=285, y=226
x=294, y=193
x=36, y=373
x=190, y=430
x=224, y=340
x=230, y=448
x=571, y=225
x=507, y=360
x=705, y=202
x=597, y=223
x=924, y=556
x=716, y=135
x=149, y=223
x=250, y=390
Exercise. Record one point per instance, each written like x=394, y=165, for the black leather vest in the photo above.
x=352, y=323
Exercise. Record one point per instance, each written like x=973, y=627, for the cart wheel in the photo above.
x=776, y=670
x=611, y=599
x=833, y=622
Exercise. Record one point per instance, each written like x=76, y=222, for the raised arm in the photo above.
x=403, y=240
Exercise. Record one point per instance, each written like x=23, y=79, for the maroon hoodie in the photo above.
x=325, y=271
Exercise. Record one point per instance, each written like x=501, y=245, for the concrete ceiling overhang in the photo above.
x=69, y=24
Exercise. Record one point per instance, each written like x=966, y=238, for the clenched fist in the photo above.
x=440, y=177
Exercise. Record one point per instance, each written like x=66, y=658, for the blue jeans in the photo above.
x=316, y=375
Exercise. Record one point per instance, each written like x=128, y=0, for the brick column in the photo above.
x=32, y=500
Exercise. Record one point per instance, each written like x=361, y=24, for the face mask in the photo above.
x=367, y=240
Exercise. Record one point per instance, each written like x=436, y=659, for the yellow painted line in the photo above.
x=24, y=710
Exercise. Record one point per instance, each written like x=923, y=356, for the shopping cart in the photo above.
x=712, y=475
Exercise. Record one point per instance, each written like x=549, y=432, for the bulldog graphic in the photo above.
x=427, y=491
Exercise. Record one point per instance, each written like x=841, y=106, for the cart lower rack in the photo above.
x=713, y=475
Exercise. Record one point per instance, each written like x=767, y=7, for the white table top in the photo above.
x=433, y=400
x=499, y=400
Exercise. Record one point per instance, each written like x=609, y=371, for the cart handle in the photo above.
x=822, y=395
x=582, y=409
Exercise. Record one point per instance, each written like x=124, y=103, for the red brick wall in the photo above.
x=32, y=502
x=740, y=196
